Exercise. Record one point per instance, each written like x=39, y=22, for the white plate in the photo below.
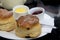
x=45, y=29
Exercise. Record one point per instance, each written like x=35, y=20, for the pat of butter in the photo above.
x=20, y=10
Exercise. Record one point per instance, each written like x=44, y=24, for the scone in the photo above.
x=28, y=27
x=7, y=21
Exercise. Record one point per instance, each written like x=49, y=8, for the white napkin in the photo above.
x=47, y=20
x=47, y=24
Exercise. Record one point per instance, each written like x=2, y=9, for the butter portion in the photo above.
x=20, y=10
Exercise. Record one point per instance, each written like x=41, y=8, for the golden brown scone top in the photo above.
x=5, y=14
x=27, y=21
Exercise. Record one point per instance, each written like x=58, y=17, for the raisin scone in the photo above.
x=28, y=27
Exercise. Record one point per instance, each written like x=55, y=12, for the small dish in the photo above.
x=20, y=10
x=37, y=11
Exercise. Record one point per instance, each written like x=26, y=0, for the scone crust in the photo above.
x=5, y=14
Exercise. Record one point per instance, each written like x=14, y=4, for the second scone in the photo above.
x=7, y=21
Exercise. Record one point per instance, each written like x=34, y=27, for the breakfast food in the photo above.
x=28, y=27
x=7, y=22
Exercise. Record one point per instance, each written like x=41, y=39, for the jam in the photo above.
x=37, y=12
